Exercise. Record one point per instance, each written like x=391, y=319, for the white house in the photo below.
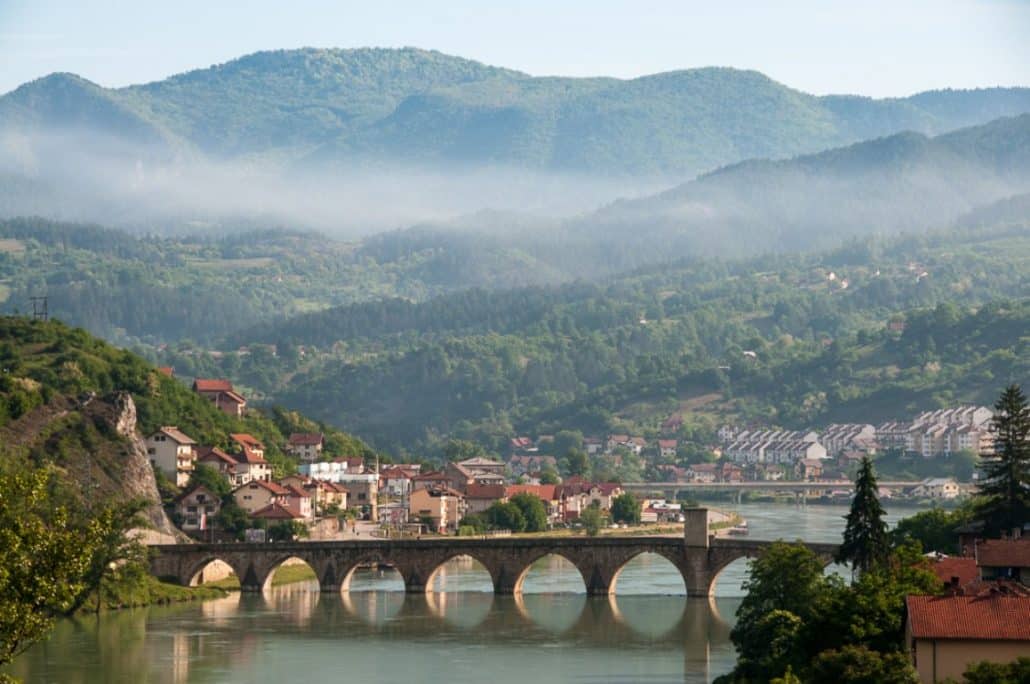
x=937, y=488
x=171, y=452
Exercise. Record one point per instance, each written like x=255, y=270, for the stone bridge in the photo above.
x=698, y=556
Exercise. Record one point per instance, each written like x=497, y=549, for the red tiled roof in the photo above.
x=247, y=455
x=174, y=433
x=209, y=453
x=209, y=385
x=270, y=486
x=394, y=474
x=296, y=491
x=275, y=511
x=247, y=440
x=237, y=398
x=166, y=370
x=1003, y=553
x=991, y=617
x=545, y=492
x=306, y=438
x=434, y=476
x=960, y=567
x=481, y=491
x=666, y=444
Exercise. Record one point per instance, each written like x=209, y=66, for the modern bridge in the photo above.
x=698, y=555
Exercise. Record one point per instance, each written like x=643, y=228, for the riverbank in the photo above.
x=146, y=590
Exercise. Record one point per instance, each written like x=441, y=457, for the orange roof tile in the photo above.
x=991, y=617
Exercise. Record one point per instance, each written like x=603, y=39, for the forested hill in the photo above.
x=620, y=353
x=424, y=107
x=61, y=402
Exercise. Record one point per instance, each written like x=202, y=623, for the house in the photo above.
x=197, y=508
x=171, y=452
x=945, y=634
x=1004, y=559
x=673, y=473
x=225, y=464
x=257, y=494
x=167, y=371
x=394, y=481
x=593, y=445
x=250, y=460
x=522, y=445
x=479, y=497
x=441, y=507
x=433, y=479
x=307, y=446
x=936, y=488
x=362, y=492
x=299, y=502
x=323, y=470
x=276, y=512
x=667, y=448
x=731, y=472
x=702, y=472
x=672, y=424
x=521, y=465
x=222, y=393
x=460, y=476
x=808, y=469
x=352, y=464
x=484, y=466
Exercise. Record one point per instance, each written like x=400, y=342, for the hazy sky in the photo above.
x=876, y=47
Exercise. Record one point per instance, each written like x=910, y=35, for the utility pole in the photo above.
x=39, y=309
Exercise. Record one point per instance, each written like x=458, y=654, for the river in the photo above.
x=459, y=633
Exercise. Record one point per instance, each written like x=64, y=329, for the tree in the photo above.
x=934, y=529
x=860, y=665
x=626, y=509
x=209, y=477
x=576, y=462
x=48, y=557
x=865, y=544
x=787, y=578
x=567, y=440
x=592, y=519
x=1005, y=474
x=549, y=476
x=506, y=516
x=533, y=510
x=287, y=530
x=985, y=672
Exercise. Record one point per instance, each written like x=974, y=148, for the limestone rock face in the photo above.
x=137, y=477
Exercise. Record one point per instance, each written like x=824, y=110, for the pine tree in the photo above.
x=865, y=543
x=1005, y=474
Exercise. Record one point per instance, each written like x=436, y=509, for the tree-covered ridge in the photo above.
x=53, y=365
x=420, y=106
x=626, y=352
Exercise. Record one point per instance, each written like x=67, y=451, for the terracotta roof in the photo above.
x=991, y=617
x=545, y=492
x=1003, y=553
x=296, y=491
x=666, y=444
x=248, y=455
x=209, y=385
x=270, y=486
x=480, y=462
x=238, y=398
x=480, y=491
x=247, y=440
x=174, y=433
x=209, y=453
x=434, y=476
x=275, y=511
x=306, y=438
x=194, y=489
x=166, y=370
x=962, y=568
x=393, y=473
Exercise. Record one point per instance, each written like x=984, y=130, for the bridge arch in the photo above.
x=288, y=560
x=438, y=573
x=667, y=562
x=193, y=575
x=375, y=561
x=518, y=585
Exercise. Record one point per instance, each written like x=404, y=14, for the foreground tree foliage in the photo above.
x=1005, y=476
x=626, y=509
x=52, y=557
x=865, y=543
x=1017, y=672
x=533, y=510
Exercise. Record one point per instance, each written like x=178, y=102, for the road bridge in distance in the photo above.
x=698, y=555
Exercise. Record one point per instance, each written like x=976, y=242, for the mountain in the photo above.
x=422, y=107
x=906, y=182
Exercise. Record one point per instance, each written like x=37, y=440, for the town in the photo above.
x=329, y=496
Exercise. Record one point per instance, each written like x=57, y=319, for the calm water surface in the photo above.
x=460, y=633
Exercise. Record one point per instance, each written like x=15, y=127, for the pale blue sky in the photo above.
x=876, y=47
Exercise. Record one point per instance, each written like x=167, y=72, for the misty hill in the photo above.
x=413, y=106
x=906, y=182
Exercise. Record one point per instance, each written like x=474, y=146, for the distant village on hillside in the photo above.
x=327, y=490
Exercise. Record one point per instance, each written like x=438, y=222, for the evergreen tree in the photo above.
x=865, y=543
x=1005, y=475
